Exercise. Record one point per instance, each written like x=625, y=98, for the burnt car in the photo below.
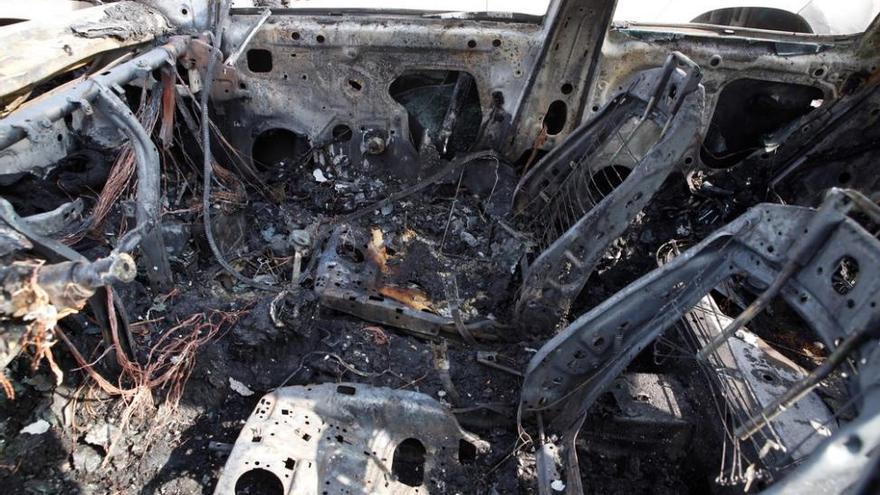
x=329, y=246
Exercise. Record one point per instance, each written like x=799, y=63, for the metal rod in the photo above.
x=803, y=386
x=864, y=204
x=462, y=88
x=751, y=311
x=832, y=212
x=208, y=164
x=41, y=113
x=247, y=39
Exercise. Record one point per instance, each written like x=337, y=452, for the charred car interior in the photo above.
x=282, y=247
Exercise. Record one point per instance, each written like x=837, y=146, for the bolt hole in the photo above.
x=259, y=60
x=346, y=390
x=555, y=117
x=845, y=275
x=567, y=88
x=408, y=464
x=467, y=452
x=853, y=444
x=471, y=44
x=259, y=480
x=342, y=133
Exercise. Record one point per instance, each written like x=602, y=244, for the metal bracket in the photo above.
x=571, y=179
x=348, y=283
x=567, y=375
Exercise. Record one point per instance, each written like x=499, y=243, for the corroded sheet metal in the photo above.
x=36, y=50
x=348, y=438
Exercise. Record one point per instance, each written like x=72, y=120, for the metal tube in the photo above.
x=802, y=387
x=750, y=312
x=87, y=276
x=149, y=191
x=829, y=216
x=43, y=112
x=247, y=39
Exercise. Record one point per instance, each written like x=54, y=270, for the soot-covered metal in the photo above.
x=271, y=249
